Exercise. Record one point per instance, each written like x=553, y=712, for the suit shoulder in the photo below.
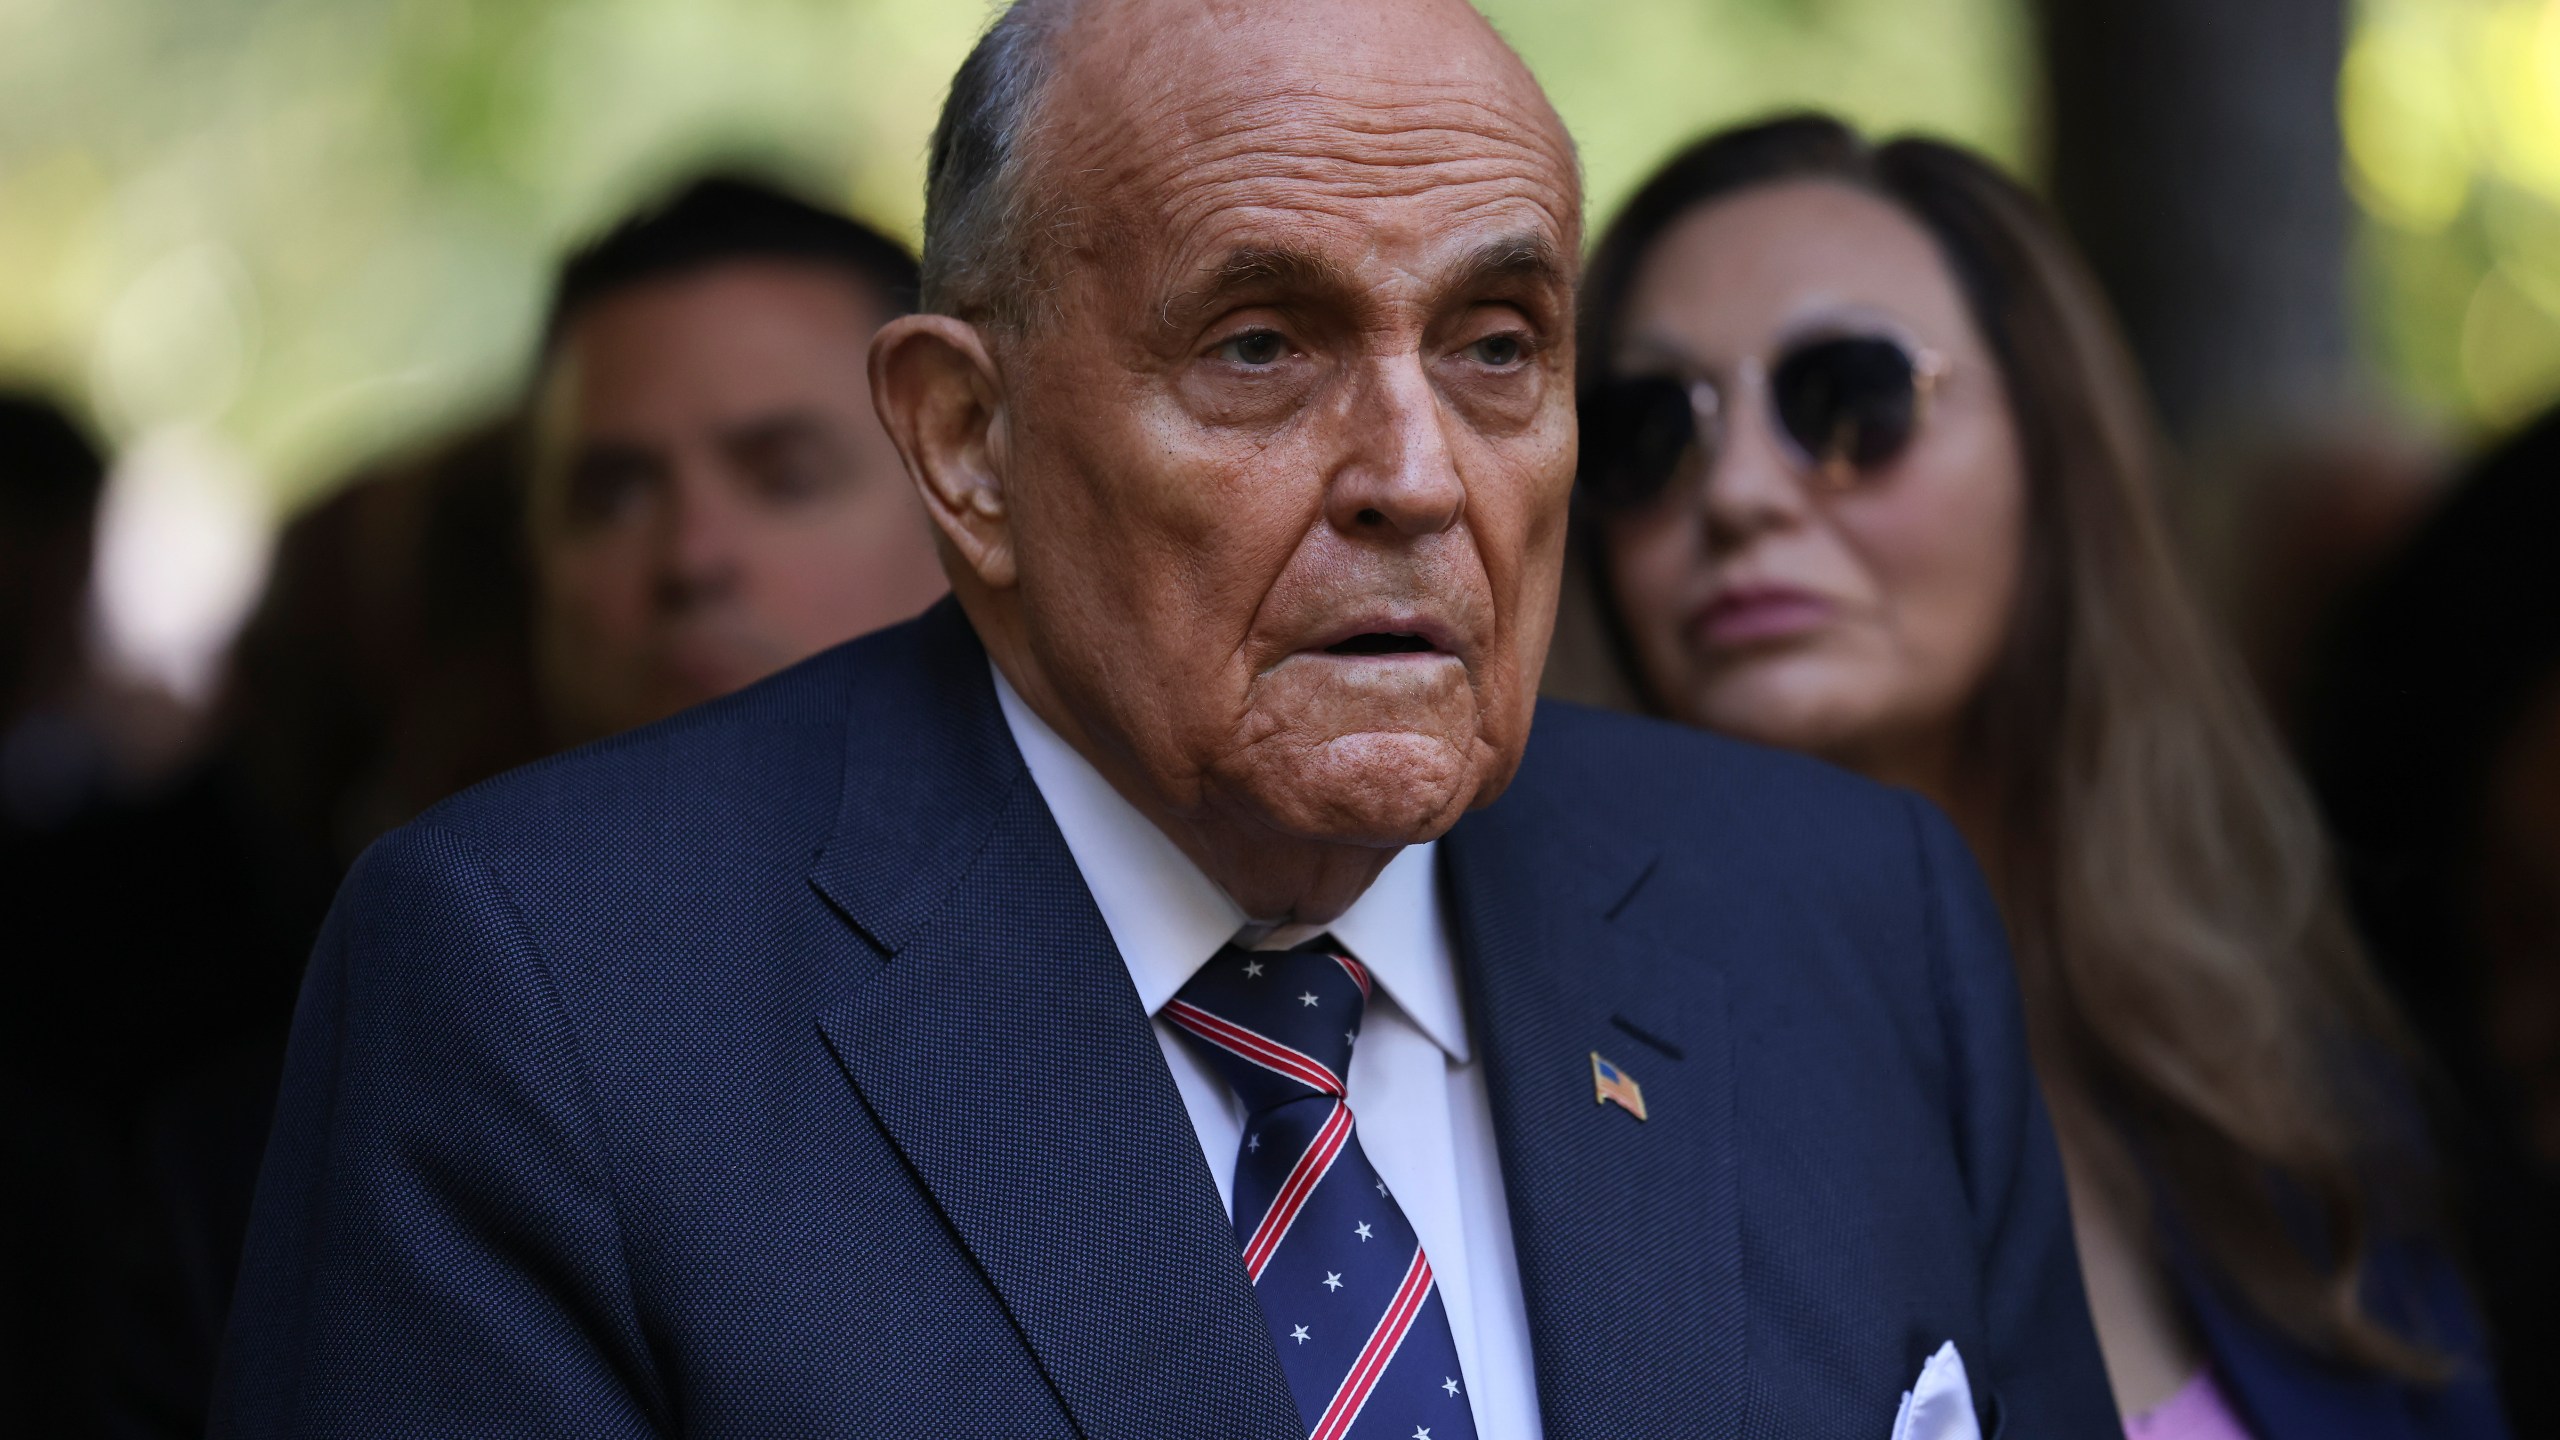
x=1673, y=781
x=756, y=769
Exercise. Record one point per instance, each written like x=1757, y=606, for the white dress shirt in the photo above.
x=1416, y=1094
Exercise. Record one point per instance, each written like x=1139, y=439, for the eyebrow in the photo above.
x=1264, y=268
x=589, y=457
x=773, y=427
x=1650, y=351
x=1515, y=260
x=1524, y=257
x=1279, y=268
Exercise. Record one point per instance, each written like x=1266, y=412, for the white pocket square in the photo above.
x=1939, y=1405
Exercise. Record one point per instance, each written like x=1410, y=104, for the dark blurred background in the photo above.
x=279, y=266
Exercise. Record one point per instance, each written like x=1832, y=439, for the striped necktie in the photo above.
x=1343, y=1282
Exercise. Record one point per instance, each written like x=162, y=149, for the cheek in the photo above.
x=1501, y=567
x=1144, y=556
x=825, y=568
x=1656, y=574
x=1519, y=520
x=595, y=588
x=1944, y=558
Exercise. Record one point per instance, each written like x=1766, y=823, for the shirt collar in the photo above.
x=1168, y=918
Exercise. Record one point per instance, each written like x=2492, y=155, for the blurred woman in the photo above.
x=1867, y=473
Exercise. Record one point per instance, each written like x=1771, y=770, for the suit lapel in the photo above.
x=1003, y=1050
x=1627, y=1231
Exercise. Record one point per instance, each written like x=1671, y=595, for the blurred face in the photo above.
x=1852, y=611
x=714, y=498
x=1279, y=489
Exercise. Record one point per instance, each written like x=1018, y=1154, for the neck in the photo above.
x=1277, y=879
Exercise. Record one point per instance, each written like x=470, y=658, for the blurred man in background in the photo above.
x=701, y=496
x=139, y=949
x=58, y=757
x=712, y=497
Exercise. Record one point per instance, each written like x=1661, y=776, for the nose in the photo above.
x=1401, y=479
x=1750, y=487
x=701, y=552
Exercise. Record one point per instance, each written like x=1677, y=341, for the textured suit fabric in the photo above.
x=769, y=1071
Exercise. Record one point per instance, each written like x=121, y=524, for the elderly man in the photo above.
x=1064, y=1015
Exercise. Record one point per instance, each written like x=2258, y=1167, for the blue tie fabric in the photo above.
x=1362, y=1332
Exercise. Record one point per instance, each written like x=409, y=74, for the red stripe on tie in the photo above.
x=1303, y=1179
x=1261, y=1050
x=1383, y=1344
x=1358, y=972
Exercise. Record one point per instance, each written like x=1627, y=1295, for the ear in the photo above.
x=935, y=386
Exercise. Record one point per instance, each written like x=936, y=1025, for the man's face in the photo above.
x=713, y=497
x=1287, y=468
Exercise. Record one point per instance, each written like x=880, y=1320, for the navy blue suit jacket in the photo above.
x=770, y=1072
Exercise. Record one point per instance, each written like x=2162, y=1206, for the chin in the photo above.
x=1814, y=723
x=695, y=678
x=1382, y=788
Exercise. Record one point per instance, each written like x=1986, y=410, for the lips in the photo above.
x=1381, y=642
x=1746, y=615
x=1388, y=637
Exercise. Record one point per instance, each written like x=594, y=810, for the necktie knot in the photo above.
x=1277, y=1025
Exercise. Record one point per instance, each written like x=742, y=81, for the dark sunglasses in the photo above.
x=1846, y=405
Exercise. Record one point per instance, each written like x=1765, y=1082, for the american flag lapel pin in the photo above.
x=1608, y=1083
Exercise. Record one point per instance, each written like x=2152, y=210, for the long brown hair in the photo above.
x=2201, y=1011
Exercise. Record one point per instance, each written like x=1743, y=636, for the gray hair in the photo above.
x=979, y=210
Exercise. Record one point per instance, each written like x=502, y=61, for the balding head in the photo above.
x=996, y=210
x=1247, y=417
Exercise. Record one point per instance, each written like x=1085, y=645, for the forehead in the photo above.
x=736, y=327
x=748, y=300
x=1389, y=132
x=1783, y=254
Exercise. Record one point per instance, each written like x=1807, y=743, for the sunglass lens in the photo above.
x=1633, y=434
x=1850, y=403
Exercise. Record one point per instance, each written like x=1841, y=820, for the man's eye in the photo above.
x=601, y=493
x=1499, y=351
x=1255, y=347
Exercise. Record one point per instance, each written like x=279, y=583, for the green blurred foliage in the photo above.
x=316, y=229
x=319, y=228
x=1636, y=78
x=2450, y=110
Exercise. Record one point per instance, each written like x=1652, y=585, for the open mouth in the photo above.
x=1384, y=642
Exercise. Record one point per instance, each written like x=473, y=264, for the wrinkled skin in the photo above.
x=713, y=496
x=1304, y=374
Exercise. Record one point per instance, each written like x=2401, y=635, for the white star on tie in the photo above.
x=1382, y=1187
x=1362, y=1229
x=1349, y=1038
x=1253, y=969
x=1421, y=1433
x=1333, y=1279
x=1307, y=999
x=1450, y=1384
x=1252, y=1143
x=1298, y=1333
